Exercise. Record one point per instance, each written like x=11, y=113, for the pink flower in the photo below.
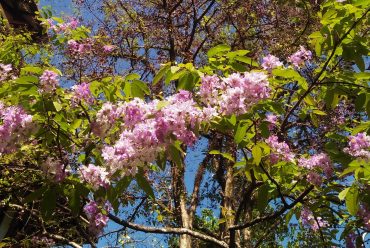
x=95, y=176
x=314, y=178
x=310, y=221
x=359, y=146
x=5, y=71
x=109, y=48
x=81, y=92
x=98, y=220
x=299, y=58
x=364, y=213
x=15, y=128
x=48, y=81
x=270, y=62
x=280, y=150
x=54, y=169
x=272, y=119
x=320, y=160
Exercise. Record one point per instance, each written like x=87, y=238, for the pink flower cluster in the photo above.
x=109, y=48
x=97, y=216
x=78, y=49
x=280, y=150
x=359, y=146
x=310, y=221
x=96, y=176
x=270, y=62
x=235, y=94
x=48, y=81
x=54, y=168
x=106, y=118
x=15, y=127
x=5, y=71
x=299, y=58
x=82, y=93
x=149, y=128
x=320, y=160
x=272, y=120
x=67, y=26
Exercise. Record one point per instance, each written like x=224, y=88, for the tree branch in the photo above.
x=166, y=230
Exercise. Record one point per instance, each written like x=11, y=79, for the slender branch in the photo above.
x=275, y=214
x=275, y=183
x=63, y=239
x=166, y=230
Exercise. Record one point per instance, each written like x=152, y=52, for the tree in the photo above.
x=283, y=143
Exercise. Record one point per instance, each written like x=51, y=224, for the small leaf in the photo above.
x=343, y=194
x=161, y=73
x=144, y=185
x=240, y=132
x=57, y=106
x=217, y=50
x=257, y=154
x=352, y=201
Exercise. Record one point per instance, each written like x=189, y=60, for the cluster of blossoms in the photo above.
x=299, y=58
x=109, y=48
x=5, y=71
x=149, y=128
x=280, y=150
x=321, y=161
x=95, y=176
x=77, y=49
x=106, y=118
x=351, y=240
x=359, y=146
x=48, y=81
x=54, y=168
x=310, y=221
x=272, y=120
x=270, y=62
x=97, y=216
x=235, y=94
x=15, y=127
x=67, y=26
x=81, y=92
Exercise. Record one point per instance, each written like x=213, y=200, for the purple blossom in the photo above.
x=270, y=62
x=82, y=93
x=314, y=178
x=359, y=146
x=299, y=58
x=109, y=48
x=48, y=81
x=272, y=119
x=364, y=213
x=280, y=150
x=54, y=168
x=5, y=71
x=320, y=160
x=96, y=176
x=310, y=221
x=78, y=49
x=96, y=214
x=16, y=126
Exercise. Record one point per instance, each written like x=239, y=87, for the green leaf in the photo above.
x=246, y=60
x=57, y=106
x=240, y=132
x=257, y=154
x=48, y=203
x=144, y=185
x=161, y=73
x=132, y=76
x=352, y=201
x=175, y=155
x=217, y=50
x=262, y=197
x=343, y=194
x=223, y=154
x=75, y=124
